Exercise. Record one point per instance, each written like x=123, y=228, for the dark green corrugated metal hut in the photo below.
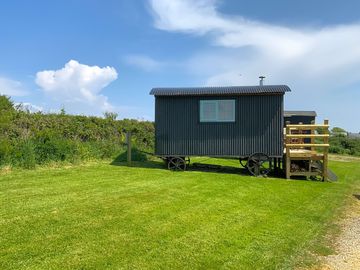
x=234, y=121
x=296, y=117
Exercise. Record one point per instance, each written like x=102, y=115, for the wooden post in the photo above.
x=287, y=156
x=312, y=133
x=128, y=143
x=312, y=141
x=300, y=131
x=326, y=151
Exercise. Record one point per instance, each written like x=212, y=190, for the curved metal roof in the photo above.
x=220, y=90
x=299, y=113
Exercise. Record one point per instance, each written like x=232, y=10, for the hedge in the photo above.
x=30, y=139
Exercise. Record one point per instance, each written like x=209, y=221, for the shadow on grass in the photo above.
x=141, y=160
x=136, y=155
x=356, y=196
x=149, y=164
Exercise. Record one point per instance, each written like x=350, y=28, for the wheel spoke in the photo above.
x=176, y=164
x=258, y=164
x=172, y=163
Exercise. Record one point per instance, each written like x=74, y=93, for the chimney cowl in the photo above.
x=261, y=80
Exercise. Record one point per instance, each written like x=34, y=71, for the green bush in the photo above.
x=5, y=151
x=55, y=149
x=24, y=154
x=340, y=144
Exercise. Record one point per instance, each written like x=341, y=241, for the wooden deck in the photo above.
x=304, y=153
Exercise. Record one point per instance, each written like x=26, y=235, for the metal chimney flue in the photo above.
x=261, y=80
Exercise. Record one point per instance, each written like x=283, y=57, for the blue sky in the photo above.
x=94, y=56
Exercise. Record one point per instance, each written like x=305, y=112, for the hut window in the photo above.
x=217, y=110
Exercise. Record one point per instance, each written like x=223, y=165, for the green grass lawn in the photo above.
x=104, y=216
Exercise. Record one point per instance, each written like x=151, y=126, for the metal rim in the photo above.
x=243, y=162
x=259, y=164
x=176, y=164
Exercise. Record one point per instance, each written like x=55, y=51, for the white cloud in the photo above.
x=78, y=83
x=308, y=53
x=187, y=16
x=315, y=62
x=11, y=88
x=143, y=62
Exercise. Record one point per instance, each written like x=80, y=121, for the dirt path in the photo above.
x=348, y=243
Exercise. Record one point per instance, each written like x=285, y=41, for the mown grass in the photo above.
x=145, y=217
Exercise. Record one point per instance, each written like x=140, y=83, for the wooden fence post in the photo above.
x=312, y=140
x=326, y=151
x=287, y=156
x=128, y=143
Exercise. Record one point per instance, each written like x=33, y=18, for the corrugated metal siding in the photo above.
x=220, y=90
x=258, y=127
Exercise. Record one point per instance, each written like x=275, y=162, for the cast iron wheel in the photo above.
x=243, y=162
x=259, y=164
x=176, y=164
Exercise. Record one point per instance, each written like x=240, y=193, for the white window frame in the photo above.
x=216, y=119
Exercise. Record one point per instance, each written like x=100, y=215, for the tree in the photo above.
x=6, y=104
x=110, y=115
x=7, y=111
x=62, y=111
x=338, y=132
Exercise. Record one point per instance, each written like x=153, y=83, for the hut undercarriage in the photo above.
x=258, y=164
x=305, y=154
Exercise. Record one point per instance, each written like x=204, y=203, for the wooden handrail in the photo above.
x=307, y=145
x=307, y=126
x=307, y=135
